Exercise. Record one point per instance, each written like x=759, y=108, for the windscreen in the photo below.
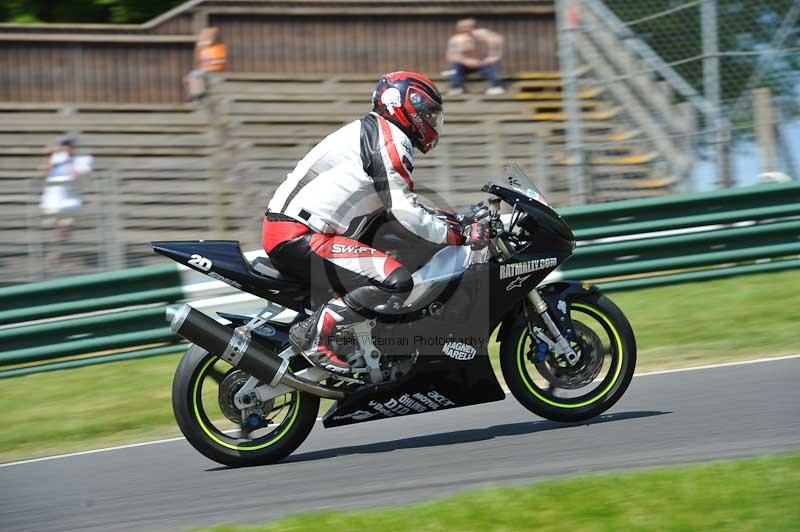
x=517, y=180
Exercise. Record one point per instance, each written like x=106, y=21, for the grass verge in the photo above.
x=718, y=321
x=753, y=494
x=125, y=402
x=96, y=406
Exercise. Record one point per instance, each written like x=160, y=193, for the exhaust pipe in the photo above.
x=237, y=348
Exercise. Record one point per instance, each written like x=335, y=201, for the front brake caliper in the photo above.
x=559, y=310
x=541, y=345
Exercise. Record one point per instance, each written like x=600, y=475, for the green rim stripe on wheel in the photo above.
x=229, y=445
x=591, y=310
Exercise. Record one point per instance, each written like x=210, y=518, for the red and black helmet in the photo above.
x=412, y=102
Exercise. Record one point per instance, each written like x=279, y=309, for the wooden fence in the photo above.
x=146, y=63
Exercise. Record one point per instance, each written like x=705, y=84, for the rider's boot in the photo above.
x=312, y=336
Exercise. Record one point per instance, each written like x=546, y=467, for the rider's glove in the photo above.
x=454, y=236
x=477, y=235
x=445, y=214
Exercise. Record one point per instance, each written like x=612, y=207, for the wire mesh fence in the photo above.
x=707, y=89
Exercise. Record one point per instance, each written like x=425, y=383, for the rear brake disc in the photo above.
x=228, y=388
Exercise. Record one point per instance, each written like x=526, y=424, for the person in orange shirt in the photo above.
x=210, y=55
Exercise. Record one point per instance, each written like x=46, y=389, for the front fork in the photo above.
x=558, y=344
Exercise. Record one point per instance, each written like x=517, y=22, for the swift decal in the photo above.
x=351, y=249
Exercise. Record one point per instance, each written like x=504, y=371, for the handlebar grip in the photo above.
x=481, y=214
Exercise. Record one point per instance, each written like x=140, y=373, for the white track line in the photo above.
x=93, y=451
x=721, y=365
x=168, y=440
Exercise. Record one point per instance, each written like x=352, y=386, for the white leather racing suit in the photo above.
x=359, y=170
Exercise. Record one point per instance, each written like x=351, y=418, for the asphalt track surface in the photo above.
x=668, y=418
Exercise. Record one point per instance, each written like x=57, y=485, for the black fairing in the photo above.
x=223, y=260
x=550, y=231
x=437, y=383
x=550, y=244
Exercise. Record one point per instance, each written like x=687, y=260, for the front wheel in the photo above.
x=549, y=387
x=202, y=400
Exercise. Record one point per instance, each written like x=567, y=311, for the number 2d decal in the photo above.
x=201, y=262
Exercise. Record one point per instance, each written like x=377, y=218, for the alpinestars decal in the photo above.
x=516, y=283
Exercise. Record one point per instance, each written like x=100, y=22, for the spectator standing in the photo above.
x=61, y=200
x=210, y=55
x=474, y=49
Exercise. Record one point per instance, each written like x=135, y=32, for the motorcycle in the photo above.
x=242, y=396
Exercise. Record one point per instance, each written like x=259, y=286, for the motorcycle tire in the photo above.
x=515, y=362
x=221, y=446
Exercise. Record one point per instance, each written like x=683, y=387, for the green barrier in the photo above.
x=689, y=261
x=668, y=252
x=657, y=211
x=614, y=286
x=79, y=347
x=18, y=339
x=68, y=296
x=159, y=295
x=92, y=361
x=668, y=224
x=696, y=276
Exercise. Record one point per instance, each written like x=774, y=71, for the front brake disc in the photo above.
x=590, y=351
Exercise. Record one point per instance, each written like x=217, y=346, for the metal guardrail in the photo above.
x=624, y=245
x=89, y=293
x=698, y=209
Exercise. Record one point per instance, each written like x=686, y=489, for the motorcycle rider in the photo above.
x=355, y=173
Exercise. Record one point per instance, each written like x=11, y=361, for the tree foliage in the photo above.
x=92, y=11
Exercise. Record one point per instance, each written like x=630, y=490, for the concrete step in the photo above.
x=558, y=106
x=588, y=115
x=554, y=95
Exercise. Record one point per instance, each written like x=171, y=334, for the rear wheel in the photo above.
x=202, y=400
x=549, y=387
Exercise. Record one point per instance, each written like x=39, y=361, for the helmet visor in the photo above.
x=434, y=118
x=428, y=110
